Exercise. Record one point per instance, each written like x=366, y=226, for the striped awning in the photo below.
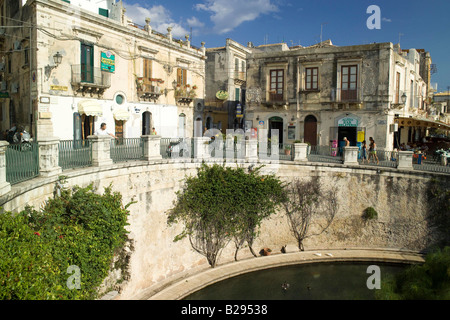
x=90, y=108
x=121, y=115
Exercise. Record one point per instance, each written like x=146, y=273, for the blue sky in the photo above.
x=423, y=24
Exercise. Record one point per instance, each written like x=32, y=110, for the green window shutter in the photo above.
x=103, y=12
x=66, y=1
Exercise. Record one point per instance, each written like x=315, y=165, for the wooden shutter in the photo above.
x=181, y=76
x=147, y=69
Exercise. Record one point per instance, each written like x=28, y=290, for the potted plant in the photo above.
x=287, y=150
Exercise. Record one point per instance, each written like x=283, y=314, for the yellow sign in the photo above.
x=59, y=88
x=361, y=136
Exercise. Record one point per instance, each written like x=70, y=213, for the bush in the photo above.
x=370, y=214
x=430, y=281
x=80, y=228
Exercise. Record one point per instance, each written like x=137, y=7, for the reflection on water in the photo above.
x=337, y=281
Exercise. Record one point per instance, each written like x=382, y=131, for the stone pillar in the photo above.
x=251, y=150
x=405, y=160
x=300, y=152
x=188, y=43
x=201, y=148
x=444, y=160
x=5, y=186
x=203, y=48
x=152, y=147
x=169, y=35
x=49, y=157
x=101, y=150
x=351, y=155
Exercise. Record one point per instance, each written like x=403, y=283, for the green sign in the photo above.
x=4, y=95
x=107, y=62
x=348, y=122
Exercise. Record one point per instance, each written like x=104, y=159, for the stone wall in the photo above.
x=398, y=197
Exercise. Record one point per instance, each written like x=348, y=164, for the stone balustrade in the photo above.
x=202, y=149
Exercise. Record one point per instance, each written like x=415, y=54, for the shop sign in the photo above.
x=222, y=95
x=59, y=88
x=107, y=61
x=348, y=122
x=239, y=111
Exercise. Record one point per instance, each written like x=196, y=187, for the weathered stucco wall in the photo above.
x=399, y=198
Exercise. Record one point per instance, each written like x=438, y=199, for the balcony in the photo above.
x=185, y=94
x=89, y=80
x=149, y=91
x=347, y=99
x=240, y=78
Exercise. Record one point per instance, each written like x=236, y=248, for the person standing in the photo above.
x=103, y=132
x=347, y=143
x=154, y=132
x=373, y=150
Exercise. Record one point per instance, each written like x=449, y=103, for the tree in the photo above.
x=429, y=281
x=220, y=205
x=309, y=204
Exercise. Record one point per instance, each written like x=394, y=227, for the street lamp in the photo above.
x=57, y=59
x=404, y=98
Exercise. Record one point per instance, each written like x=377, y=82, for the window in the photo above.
x=120, y=99
x=397, y=88
x=276, y=85
x=147, y=69
x=182, y=77
x=349, y=83
x=312, y=79
x=26, y=55
x=236, y=65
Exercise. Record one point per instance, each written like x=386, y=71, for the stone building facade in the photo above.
x=225, y=87
x=323, y=93
x=110, y=70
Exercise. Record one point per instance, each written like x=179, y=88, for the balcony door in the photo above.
x=349, y=83
x=87, y=63
x=276, y=85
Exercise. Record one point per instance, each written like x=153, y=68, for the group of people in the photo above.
x=367, y=155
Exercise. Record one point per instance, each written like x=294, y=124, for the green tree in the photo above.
x=77, y=228
x=222, y=204
x=430, y=281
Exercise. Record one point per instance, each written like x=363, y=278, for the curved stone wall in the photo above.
x=398, y=196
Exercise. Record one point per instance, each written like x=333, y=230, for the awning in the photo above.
x=423, y=123
x=90, y=108
x=121, y=115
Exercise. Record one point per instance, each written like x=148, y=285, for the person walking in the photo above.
x=373, y=151
x=364, y=152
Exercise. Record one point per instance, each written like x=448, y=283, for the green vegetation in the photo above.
x=370, y=214
x=78, y=228
x=430, y=281
x=222, y=204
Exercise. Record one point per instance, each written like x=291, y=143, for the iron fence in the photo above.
x=22, y=162
x=75, y=154
x=123, y=150
x=379, y=158
x=325, y=154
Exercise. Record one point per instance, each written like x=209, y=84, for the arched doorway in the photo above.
x=310, y=132
x=276, y=123
x=198, y=128
x=209, y=123
x=146, y=123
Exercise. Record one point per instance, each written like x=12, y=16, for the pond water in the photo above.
x=319, y=281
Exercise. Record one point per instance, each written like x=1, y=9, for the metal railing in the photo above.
x=346, y=95
x=22, y=162
x=75, y=154
x=379, y=158
x=325, y=154
x=424, y=162
x=123, y=150
x=286, y=152
x=87, y=74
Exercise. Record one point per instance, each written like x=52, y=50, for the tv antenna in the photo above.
x=321, y=31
